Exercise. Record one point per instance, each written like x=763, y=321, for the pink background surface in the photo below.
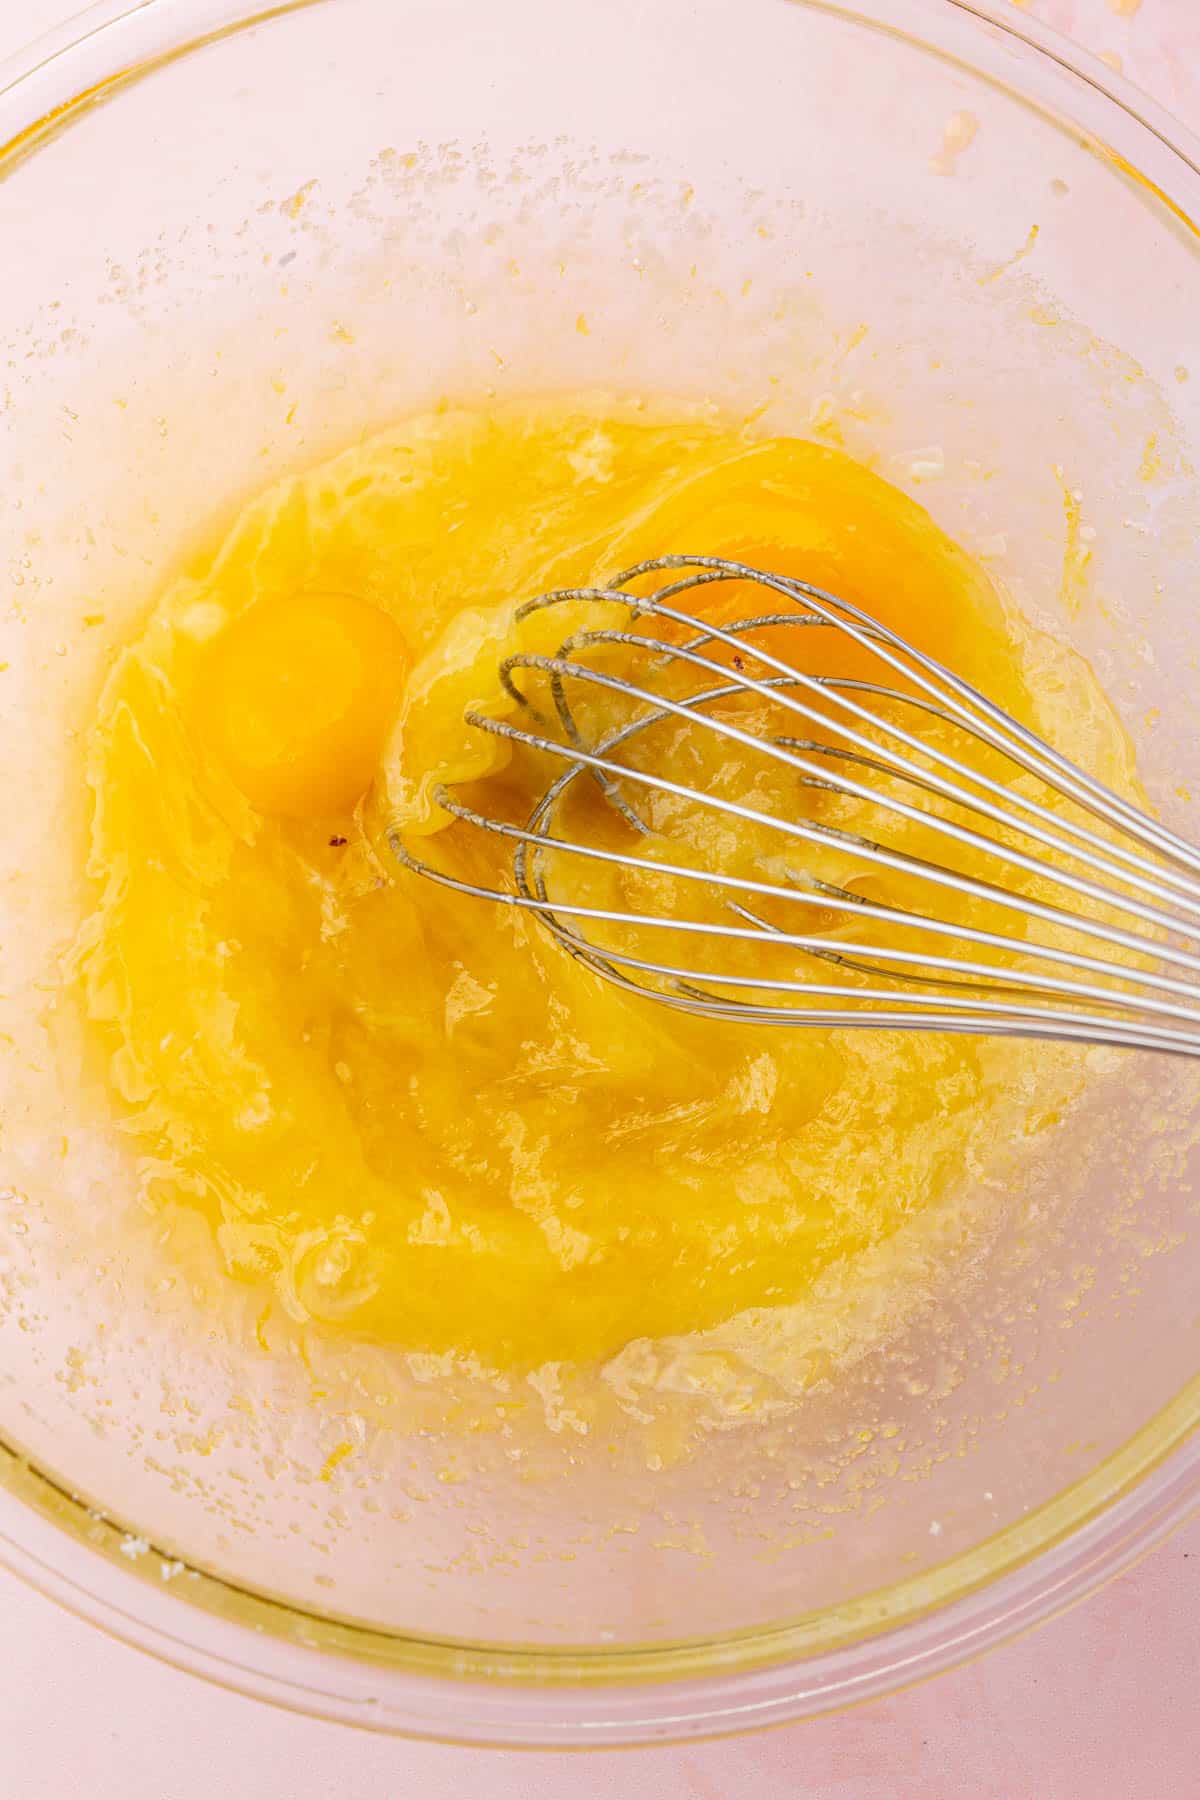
x=1100, y=1703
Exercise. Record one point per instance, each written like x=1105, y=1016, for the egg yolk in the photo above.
x=295, y=697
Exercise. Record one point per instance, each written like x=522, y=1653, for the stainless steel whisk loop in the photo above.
x=1084, y=910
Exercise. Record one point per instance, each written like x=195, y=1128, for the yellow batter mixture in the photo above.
x=410, y=1114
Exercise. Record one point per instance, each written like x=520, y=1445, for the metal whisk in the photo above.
x=1026, y=898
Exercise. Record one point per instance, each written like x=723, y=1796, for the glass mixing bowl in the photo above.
x=235, y=240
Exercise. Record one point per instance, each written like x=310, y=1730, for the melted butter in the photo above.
x=410, y=1114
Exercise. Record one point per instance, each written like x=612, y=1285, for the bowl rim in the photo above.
x=515, y=1696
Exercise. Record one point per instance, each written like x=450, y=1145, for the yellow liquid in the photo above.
x=409, y=1115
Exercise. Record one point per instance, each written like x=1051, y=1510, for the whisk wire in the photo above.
x=1051, y=985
